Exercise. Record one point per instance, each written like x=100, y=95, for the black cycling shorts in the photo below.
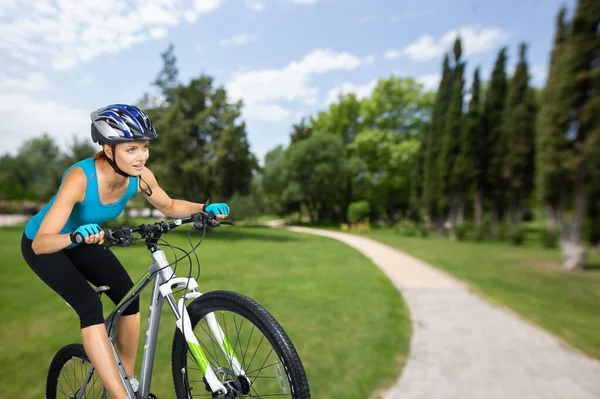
x=68, y=271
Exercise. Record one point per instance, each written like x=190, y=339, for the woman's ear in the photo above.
x=108, y=151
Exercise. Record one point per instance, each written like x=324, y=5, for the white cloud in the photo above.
x=238, y=40
x=430, y=81
x=361, y=91
x=474, y=40
x=370, y=59
x=261, y=89
x=259, y=5
x=25, y=117
x=34, y=82
x=255, y=5
x=158, y=33
x=69, y=33
x=392, y=54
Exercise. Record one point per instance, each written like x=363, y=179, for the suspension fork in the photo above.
x=185, y=326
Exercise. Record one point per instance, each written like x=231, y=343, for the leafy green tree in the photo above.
x=389, y=162
x=301, y=131
x=341, y=120
x=398, y=105
x=167, y=79
x=203, y=150
x=39, y=168
x=319, y=167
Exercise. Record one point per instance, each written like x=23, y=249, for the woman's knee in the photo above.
x=91, y=314
x=132, y=308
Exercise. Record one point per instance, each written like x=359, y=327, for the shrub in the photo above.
x=549, y=238
x=358, y=210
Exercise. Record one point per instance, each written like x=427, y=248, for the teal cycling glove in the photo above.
x=217, y=209
x=78, y=236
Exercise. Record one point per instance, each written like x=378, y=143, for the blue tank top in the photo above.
x=90, y=210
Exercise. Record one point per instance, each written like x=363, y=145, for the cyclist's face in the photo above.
x=131, y=157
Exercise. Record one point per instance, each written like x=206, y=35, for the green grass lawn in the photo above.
x=346, y=319
x=527, y=279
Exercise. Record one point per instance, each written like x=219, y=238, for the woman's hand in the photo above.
x=220, y=210
x=88, y=233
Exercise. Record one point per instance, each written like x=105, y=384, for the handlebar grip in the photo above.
x=107, y=233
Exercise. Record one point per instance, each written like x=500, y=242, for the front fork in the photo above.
x=185, y=326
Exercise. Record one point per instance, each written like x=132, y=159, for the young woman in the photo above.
x=92, y=192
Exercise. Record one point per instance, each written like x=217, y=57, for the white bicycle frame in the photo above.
x=162, y=289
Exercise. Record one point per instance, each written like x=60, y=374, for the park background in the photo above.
x=488, y=170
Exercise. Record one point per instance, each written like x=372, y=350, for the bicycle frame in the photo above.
x=164, y=281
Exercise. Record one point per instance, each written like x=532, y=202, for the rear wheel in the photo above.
x=266, y=354
x=67, y=374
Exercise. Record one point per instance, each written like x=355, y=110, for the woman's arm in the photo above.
x=160, y=199
x=48, y=239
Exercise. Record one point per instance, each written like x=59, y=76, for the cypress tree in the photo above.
x=470, y=164
x=518, y=133
x=431, y=189
x=450, y=179
x=552, y=178
x=493, y=113
x=582, y=92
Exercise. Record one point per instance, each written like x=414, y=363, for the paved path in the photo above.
x=465, y=348
x=9, y=220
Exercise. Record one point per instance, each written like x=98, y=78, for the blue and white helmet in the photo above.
x=120, y=123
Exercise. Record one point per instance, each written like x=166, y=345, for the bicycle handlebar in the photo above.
x=200, y=220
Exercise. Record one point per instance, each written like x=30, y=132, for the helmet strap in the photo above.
x=113, y=163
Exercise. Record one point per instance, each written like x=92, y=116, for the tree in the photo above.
x=580, y=147
x=319, y=167
x=275, y=181
x=551, y=174
x=389, y=162
x=166, y=80
x=518, y=132
x=495, y=148
x=39, y=168
x=452, y=194
x=470, y=165
x=431, y=188
x=203, y=151
x=342, y=119
x=301, y=131
x=398, y=105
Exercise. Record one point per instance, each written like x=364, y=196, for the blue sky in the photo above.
x=59, y=60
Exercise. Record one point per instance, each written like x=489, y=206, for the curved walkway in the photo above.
x=465, y=348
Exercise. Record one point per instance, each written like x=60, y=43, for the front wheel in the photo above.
x=271, y=364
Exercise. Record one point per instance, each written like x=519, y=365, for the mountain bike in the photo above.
x=225, y=344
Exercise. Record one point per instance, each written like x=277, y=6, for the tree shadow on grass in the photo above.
x=229, y=233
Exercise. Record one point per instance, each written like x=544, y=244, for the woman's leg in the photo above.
x=101, y=267
x=97, y=347
x=60, y=274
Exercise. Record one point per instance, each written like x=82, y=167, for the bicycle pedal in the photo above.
x=152, y=396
